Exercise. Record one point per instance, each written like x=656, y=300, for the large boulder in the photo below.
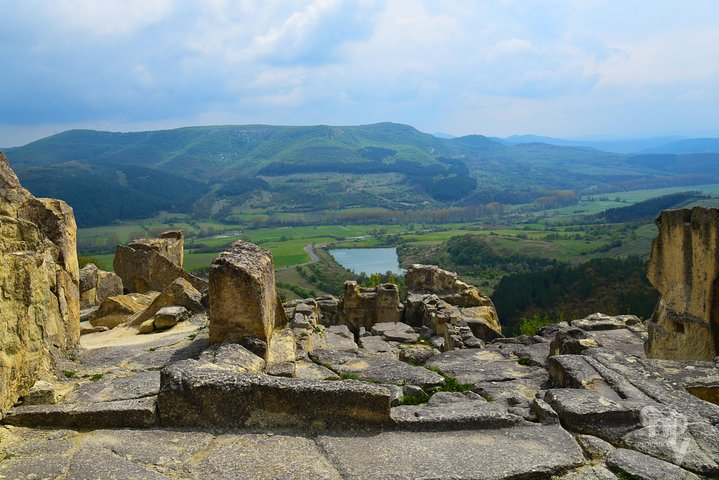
x=120, y=309
x=684, y=267
x=431, y=292
x=243, y=297
x=153, y=264
x=39, y=281
x=178, y=293
x=96, y=285
x=363, y=307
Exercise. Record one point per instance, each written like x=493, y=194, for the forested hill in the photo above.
x=303, y=169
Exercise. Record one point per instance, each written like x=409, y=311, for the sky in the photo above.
x=564, y=68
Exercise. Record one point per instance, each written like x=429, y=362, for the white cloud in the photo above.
x=105, y=17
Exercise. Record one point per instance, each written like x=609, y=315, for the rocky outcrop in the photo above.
x=96, y=285
x=684, y=267
x=120, y=309
x=39, y=285
x=363, y=307
x=179, y=293
x=243, y=298
x=446, y=307
x=153, y=264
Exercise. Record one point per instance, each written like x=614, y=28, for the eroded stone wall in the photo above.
x=39, y=285
x=684, y=267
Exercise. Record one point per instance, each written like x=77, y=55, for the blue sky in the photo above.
x=562, y=68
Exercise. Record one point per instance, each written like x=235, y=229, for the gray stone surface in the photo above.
x=454, y=416
x=594, y=447
x=373, y=368
x=233, y=357
x=483, y=365
x=117, y=414
x=644, y=467
x=584, y=411
x=694, y=447
x=589, y=472
x=454, y=455
x=136, y=385
x=396, y=331
x=194, y=395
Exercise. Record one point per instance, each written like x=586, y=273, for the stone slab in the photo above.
x=643, y=467
x=193, y=395
x=138, y=385
x=118, y=414
x=519, y=452
x=464, y=415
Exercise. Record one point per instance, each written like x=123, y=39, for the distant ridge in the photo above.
x=226, y=171
x=689, y=145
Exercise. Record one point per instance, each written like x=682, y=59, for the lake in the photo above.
x=368, y=260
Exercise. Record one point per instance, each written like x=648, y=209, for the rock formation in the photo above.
x=243, y=297
x=96, y=285
x=363, y=307
x=153, y=263
x=39, y=291
x=456, y=313
x=684, y=267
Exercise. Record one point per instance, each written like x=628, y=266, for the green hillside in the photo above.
x=233, y=173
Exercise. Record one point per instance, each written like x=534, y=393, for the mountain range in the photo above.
x=220, y=170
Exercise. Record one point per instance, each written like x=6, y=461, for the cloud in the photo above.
x=461, y=66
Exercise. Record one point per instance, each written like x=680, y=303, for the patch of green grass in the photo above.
x=96, y=377
x=349, y=376
x=451, y=384
x=70, y=374
x=525, y=360
x=530, y=325
x=414, y=399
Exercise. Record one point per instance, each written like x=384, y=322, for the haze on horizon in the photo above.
x=560, y=68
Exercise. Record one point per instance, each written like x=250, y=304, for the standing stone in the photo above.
x=39, y=285
x=363, y=307
x=684, y=267
x=243, y=297
x=96, y=285
x=153, y=263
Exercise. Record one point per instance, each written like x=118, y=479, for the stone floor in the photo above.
x=596, y=409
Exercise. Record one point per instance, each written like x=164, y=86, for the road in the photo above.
x=309, y=250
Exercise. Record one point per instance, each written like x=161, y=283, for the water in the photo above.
x=368, y=260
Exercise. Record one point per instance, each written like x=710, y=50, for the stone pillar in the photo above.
x=243, y=297
x=684, y=267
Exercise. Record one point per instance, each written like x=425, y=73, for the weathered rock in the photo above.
x=667, y=436
x=153, y=264
x=330, y=311
x=135, y=385
x=281, y=353
x=375, y=345
x=395, y=331
x=584, y=411
x=571, y=341
x=148, y=326
x=46, y=393
x=600, y=321
x=543, y=412
x=363, y=307
x=118, y=414
x=243, y=298
x=575, y=371
x=121, y=308
x=451, y=415
x=446, y=285
x=311, y=371
x=338, y=337
x=193, y=395
x=374, y=368
x=232, y=357
x=483, y=321
x=168, y=317
x=417, y=354
x=684, y=267
x=594, y=447
x=39, y=280
x=545, y=451
x=179, y=293
x=643, y=467
x=588, y=472
x=96, y=285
